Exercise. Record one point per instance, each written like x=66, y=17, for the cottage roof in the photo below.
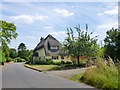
x=51, y=41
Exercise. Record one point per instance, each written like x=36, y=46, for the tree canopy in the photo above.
x=7, y=33
x=13, y=53
x=112, y=44
x=22, y=52
x=22, y=47
x=82, y=44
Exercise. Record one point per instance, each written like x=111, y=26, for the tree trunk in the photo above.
x=88, y=61
x=78, y=60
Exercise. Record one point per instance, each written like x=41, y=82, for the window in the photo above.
x=54, y=47
x=62, y=57
x=54, y=57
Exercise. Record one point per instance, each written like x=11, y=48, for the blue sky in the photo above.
x=36, y=19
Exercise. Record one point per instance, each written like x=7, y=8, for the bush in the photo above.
x=74, y=62
x=22, y=60
x=62, y=62
x=44, y=62
x=68, y=62
x=105, y=75
x=77, y=77
x=58, y=63
x=82, y=63
x=9, y=59
x=18, y=59
x=50, y=62
x=2, y=57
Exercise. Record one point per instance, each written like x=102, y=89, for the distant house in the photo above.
x=49, y=48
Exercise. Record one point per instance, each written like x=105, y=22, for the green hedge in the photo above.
x=3, y=59
x=18, y=59
x=63, y=62
x=44, y=62
x=9, y=59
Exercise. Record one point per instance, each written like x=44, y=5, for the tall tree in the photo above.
x=22, y=47
x=7, y=33
x=112, y=44
x=22, y=52
x=13, y=53
x=82, y=45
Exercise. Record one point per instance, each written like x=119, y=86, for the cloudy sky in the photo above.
x=36, y=19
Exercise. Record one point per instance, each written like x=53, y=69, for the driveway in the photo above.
x=17, y=76
x=66, y=73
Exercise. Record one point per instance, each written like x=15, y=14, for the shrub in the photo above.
x=77, y=77
x=83, y=63
x=105, y=75
x=2, y=57
x=44, y=62
x=50, y=62
x=57, y=63
x=62, y=62
x=37, y=62
x=18, y=59
x=22, y=60
x=9, y=59
x=74, y=62
x=68, y=62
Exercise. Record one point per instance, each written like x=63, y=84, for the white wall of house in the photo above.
x=59, y=58
x=41, y=52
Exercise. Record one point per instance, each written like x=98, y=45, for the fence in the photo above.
x=91, y=61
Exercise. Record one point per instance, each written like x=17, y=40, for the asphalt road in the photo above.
x=17, y=76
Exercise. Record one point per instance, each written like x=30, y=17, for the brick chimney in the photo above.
x=42, y=38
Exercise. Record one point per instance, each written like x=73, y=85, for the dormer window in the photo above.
x=54, y=47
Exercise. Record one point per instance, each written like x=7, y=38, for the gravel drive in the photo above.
x=66, y=73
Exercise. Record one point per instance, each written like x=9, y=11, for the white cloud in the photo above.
x=113, y=11
x=108, y=26
x=58, y=33
x=48, y=27
x=64, y=12
x=40, y=17
x=100, y=14
x=22, y=19
x=28, y=19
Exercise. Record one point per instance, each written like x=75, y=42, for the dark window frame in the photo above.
x=55, y=57
x=62, y=57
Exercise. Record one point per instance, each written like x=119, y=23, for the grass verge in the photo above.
x=77, y=77
x=105, y=75
x=42, y=67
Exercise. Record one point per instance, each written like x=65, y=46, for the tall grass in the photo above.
x=105, y=75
